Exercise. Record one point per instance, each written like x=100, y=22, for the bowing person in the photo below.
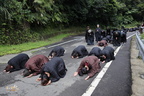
x=96, y=51
x=79, y=52
x=89, y=65
x=16, y=63
x=52, y=71
x=102, y=43
x=34, y=65
x=56, y=52
x=107, y=54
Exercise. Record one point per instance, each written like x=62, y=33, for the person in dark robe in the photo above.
x=90, y=37
x=107, y=54
x=52, y=71
x=16, y=63
x=109, y=35
x=125, y=30
x=142, y=25
x=123, y=37
x=108, y=38
x=103, y=43
x=56, y=52
x=86, y=33
x=116, y=38
x=103, y=34
x=79, y=52
x=130, y=29
x=89, y=65
x=108, y=31
x=34, y=65
x=96, y=51
x=98, y=33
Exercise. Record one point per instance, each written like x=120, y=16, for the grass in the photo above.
x=11, y=49
x=142, y=35
x=134, y=24
x=62, y=33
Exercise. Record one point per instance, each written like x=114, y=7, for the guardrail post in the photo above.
x=140, y=46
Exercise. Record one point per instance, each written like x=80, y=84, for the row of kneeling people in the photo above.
x=52, y=68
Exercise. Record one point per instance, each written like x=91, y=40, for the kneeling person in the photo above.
x=102, y=43
x=107, y=54
x=56, y=52
x=79, y=52
x=90, y=65
x=34, y=65
x=52, y=71
x=96, y=51
x=16, y=63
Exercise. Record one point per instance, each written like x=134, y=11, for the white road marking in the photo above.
x=96, y=81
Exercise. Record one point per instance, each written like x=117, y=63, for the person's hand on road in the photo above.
x=76, y=73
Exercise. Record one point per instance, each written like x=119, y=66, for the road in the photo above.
x=114, y=79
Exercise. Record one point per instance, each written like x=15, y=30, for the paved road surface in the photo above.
x=115, y=82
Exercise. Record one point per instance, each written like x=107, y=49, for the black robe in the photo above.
x=98, y=34
x=18, y=62
x=108, y=32
x=58, y=50
x=103, y=34
x=56, y=67
x=95, y=51
x=109, y=53
x=90, y=37
x=123, y=37
x=86, y=35
x=116, y=38
x=81, y=51
x=109, y=38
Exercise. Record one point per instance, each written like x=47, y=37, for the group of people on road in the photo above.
x=52, y=67
x=115, y=36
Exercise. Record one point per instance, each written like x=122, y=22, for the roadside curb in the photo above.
x=137, y=68
x=5, y=58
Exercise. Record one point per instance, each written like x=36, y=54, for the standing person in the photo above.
x=16, y=63
x=52, y=71
x=98, y=33
x=107, y=54
x=108, y=31
x=89, y=36
x=89, y=65
x=56, y=52
x=79, y=52
x=103, y=34
x=109, y=35
x=123, y=37
x=87, y=28
x=116, y=38
x=34, y=65
x=125, y=30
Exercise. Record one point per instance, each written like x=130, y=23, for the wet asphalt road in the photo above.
x=116, y=81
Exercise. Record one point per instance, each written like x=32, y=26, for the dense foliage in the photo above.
x=19, y=17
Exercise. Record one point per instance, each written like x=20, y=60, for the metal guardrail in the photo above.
x=140, y=46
